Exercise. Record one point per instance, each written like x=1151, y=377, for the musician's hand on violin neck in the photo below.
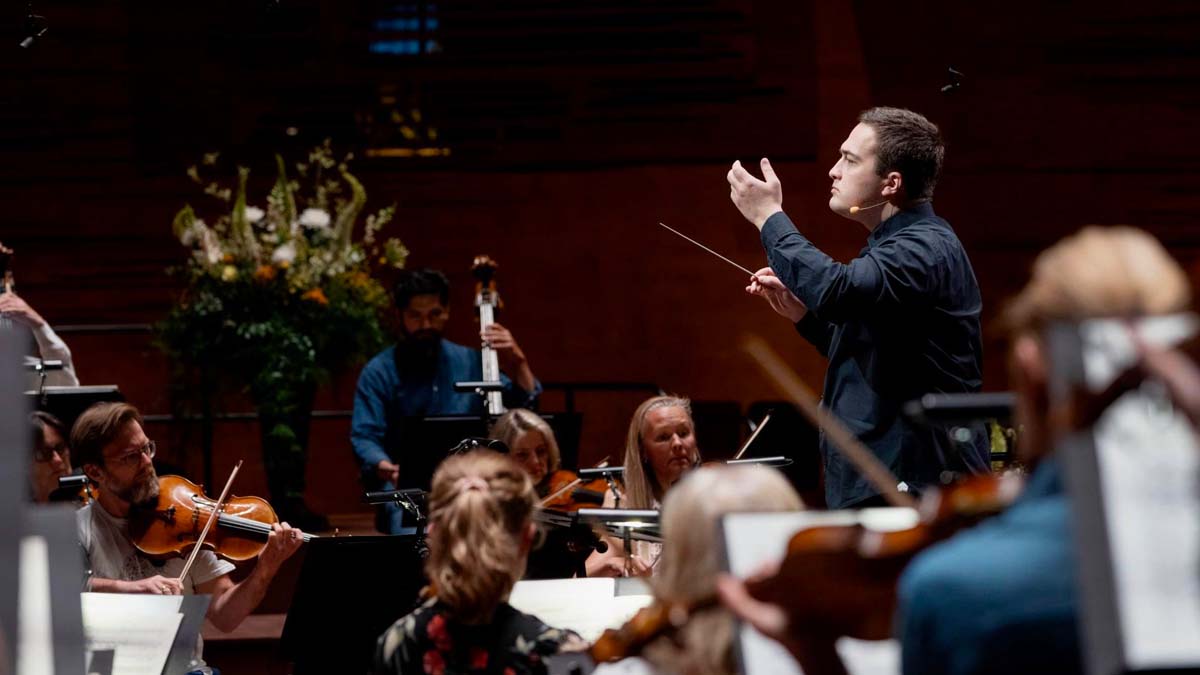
x=283, y=541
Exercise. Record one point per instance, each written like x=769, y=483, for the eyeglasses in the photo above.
x=45, y=453
x=135, y=457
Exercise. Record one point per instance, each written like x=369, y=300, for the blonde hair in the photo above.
x=691, y=558
x=509, y=427
x=1099, y=272
x=641, y=487
x=479, y=508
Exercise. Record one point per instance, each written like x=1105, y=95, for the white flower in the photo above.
x=254, y=214
x=193, y=232
x=285, y=253
x=211, y=245
x=315, y=219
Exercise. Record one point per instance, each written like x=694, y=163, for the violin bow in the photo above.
x=208, y=525
x=753, y=435
x=851, y=448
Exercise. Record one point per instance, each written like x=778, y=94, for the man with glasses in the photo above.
x=115, y=453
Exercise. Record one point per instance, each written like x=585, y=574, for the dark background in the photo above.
x=557, y=135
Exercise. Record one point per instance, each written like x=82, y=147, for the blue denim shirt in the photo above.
x=1000, y=597
x=383, y=394
x=899, y=321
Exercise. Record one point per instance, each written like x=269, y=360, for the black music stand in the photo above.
x=68, y=403
x=350, y=590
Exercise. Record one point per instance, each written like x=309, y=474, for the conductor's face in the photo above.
x=855, y=179
x=425, y=317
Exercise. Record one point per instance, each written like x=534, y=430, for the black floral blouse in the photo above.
x=429, y=641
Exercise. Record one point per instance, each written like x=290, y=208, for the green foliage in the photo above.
x=276, y=300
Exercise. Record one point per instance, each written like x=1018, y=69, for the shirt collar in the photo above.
x=900, y=221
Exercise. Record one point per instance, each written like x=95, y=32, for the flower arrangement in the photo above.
x=278, y=298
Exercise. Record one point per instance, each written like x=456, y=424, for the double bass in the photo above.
x=487, y=301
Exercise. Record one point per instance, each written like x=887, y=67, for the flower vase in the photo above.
x=284, y=418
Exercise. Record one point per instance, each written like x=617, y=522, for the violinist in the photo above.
x=51, y=456
x=115, y=453
x=416, y=376
x=1002, y=597
x=480, y=532
x=691, y=560
x=532, y=445
x=660, y=447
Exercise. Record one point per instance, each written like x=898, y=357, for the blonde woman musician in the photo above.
x=691, y=561
x=660, y=448
x=480, y=531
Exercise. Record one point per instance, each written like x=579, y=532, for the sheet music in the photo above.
x=140, y=628
x=755, y=539
x=1150, y=479
x=35, y=647
x=586, y=606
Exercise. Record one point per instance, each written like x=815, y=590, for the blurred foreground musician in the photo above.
x=115, y=453
x=1003, y=597
x=691, y=559
x=480, y=532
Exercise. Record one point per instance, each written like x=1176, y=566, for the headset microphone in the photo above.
x=856, y=209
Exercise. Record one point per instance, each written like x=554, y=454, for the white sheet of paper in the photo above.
x=1150, y=478
x=140, y=628
x=755, y=539
x=586, y=606
x=35, y=651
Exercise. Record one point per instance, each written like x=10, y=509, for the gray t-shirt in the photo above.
x=111, y=555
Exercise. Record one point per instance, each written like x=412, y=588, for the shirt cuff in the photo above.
x=776, y=227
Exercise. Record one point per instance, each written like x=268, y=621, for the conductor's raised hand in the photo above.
x=766, y=285
x=756, y=199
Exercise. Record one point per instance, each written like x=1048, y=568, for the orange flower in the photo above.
x=316, y=295
x=264, y=273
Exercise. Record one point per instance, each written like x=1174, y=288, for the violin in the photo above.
x=834, y=581
x=567, y=492
x=175, y=522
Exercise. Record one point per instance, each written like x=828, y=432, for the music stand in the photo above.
x=350, y=590
x=68, y=403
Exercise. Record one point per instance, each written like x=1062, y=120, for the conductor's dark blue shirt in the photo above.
x=899, y=321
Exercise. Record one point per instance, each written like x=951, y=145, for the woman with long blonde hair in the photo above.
x=531, y=444
x=660, y=447
x=480, y=531
x=691, y=561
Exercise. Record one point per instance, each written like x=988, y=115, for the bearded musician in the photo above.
x=416, y=377
x=115, y=453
